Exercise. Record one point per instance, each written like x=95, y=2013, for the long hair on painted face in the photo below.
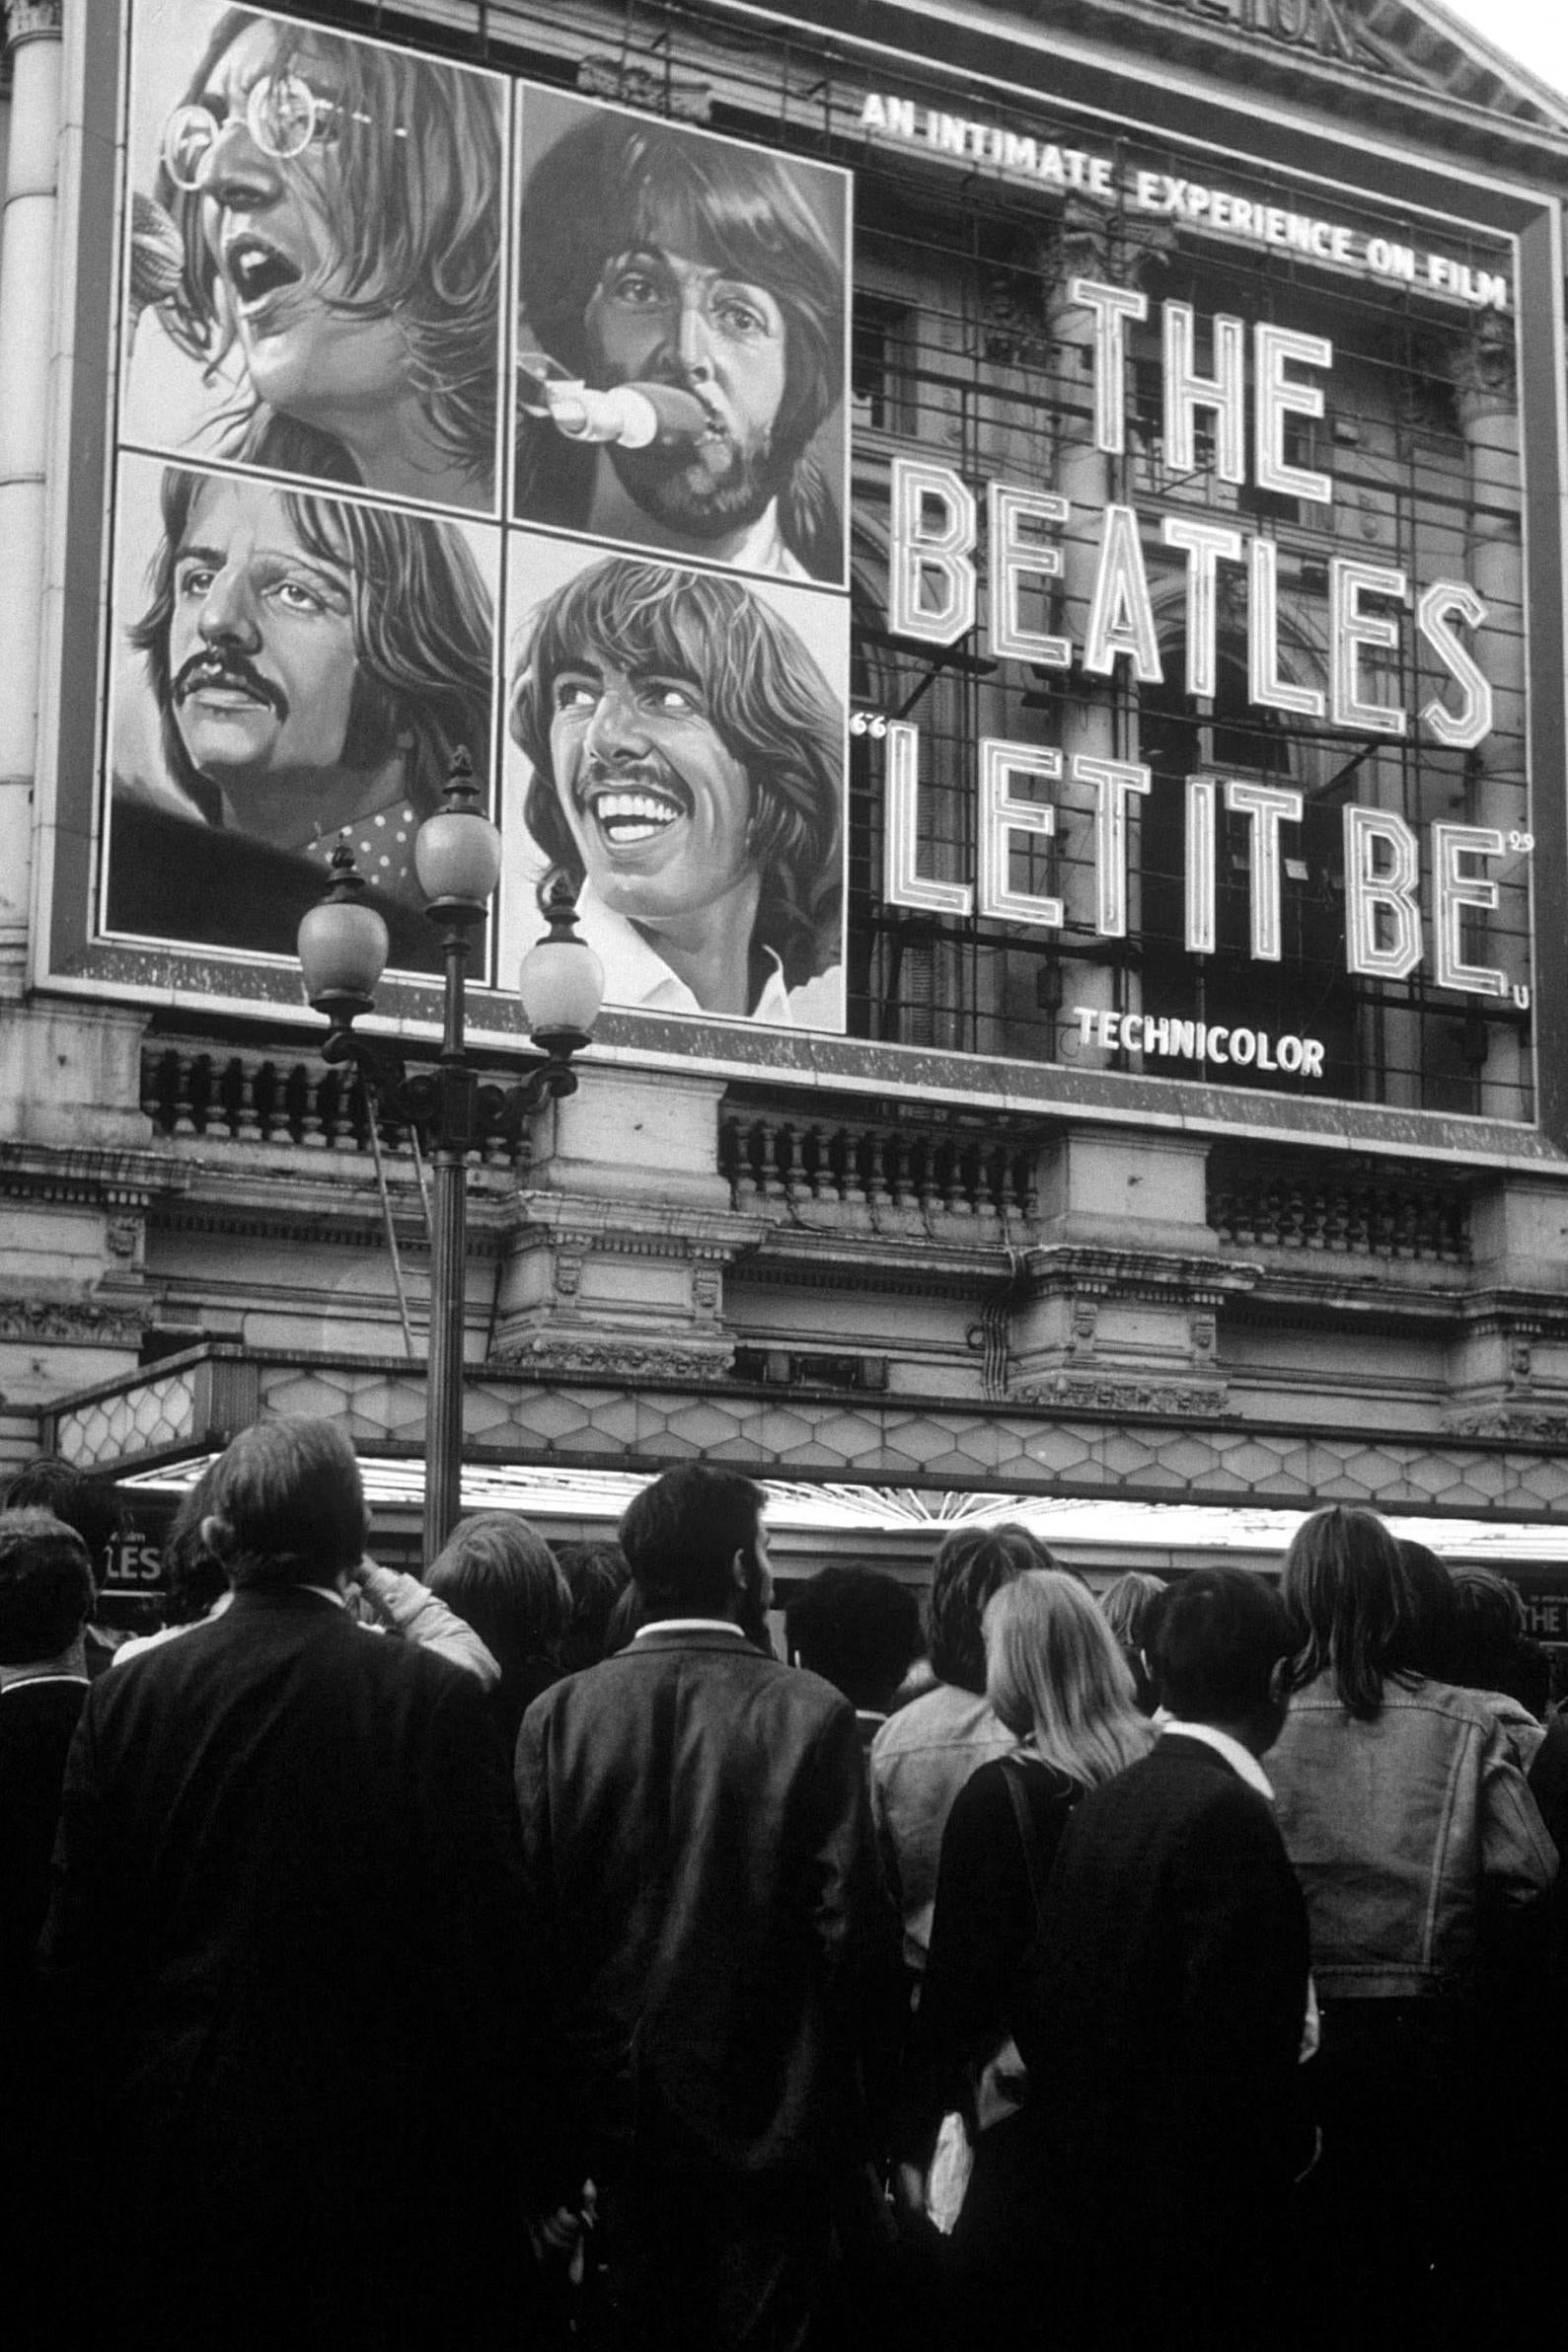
x=416, y=197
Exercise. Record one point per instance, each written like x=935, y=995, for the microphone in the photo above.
x=637, y=416
x=631, y=415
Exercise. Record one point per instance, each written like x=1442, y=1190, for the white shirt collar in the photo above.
x=636, y=975
x=691, y=1625
x=1240, y=1760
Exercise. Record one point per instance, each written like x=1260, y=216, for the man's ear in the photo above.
x=1280, y=1682
x=740, y=1572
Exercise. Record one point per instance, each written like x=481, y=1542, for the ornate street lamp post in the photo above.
x=343, y=947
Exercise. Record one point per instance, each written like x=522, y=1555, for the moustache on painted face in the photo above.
x=230, y=671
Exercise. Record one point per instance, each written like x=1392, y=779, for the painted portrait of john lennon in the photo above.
x=315, y=255
x=683, y=757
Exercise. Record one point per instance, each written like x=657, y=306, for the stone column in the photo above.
x=1098, y=715
x=27, y=321
x=1487, y=399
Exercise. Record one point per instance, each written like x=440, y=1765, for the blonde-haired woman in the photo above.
x=1058, y=1681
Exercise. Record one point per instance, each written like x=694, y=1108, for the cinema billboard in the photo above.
x=1112, y=662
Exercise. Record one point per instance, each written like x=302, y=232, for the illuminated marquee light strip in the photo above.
x=1001, y=816
x=1013, y=559
x=1223, y=395
x=1113, y=781
x=1205, y=546
x=903, y=884
x=1388, y=890
x=1455, y=892
x=1214, y=212
x=1350, y=629
x=1202, y=828
x=1264, y=684
x=1265, y=806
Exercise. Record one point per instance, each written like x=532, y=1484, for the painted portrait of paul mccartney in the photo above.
x=708, y=280
x=315, y=232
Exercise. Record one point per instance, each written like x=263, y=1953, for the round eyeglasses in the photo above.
x=282, y=114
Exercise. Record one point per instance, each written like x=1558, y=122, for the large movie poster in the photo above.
x=330, y=372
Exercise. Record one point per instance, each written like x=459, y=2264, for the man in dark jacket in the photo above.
x=1170, y=2005
x=285, y=1948
x=698, y=1848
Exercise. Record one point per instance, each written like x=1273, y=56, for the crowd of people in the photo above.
x=527, y=1955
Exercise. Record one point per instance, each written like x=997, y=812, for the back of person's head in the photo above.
x=972, y=1565
x=48, y=1484
x=1356, y=1607
x=1132, y=1607
x=860, y=1630
x=596, y=1576
x=626, y=1620
x=1223, y=1634
x=46, y=1587
x=1428, y=1648
x=286, y=1504
x=1053, y=1674
x=680, y=1534
x=1126, y=1605
x=1488, y=1648
x=500, y=1577
x=193, y=1575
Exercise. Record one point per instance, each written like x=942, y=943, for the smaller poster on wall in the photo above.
x=315, y=255
x=290, y=667
x=677, y=743
x=681, y=340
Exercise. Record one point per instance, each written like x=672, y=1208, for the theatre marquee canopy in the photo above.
x=1148, y=547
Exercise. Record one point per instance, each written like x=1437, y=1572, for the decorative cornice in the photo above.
x=1090, y=1393
x=32, y=19
x=1110, y=1273
x=685, y=97
x=78, y=1322
x=558, y=1352
x=1515, y=1424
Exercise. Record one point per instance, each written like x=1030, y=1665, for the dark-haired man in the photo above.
x=860, y=1630
x=313, y=663
x=686, y=760
x=652, y=253
x=1170, y=2004
x=699, y=1853
x=285, y=1939
x=45, y=1593
x=48, y=1484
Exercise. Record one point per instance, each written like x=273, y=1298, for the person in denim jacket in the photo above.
x=1410, y=1826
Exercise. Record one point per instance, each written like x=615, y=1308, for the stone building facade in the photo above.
x=1034, y=1219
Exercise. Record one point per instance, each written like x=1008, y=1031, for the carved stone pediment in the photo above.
x=1394, y=40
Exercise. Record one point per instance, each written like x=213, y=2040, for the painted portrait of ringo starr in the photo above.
x=311, y=665
x=323, y=240
x=652, y=253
